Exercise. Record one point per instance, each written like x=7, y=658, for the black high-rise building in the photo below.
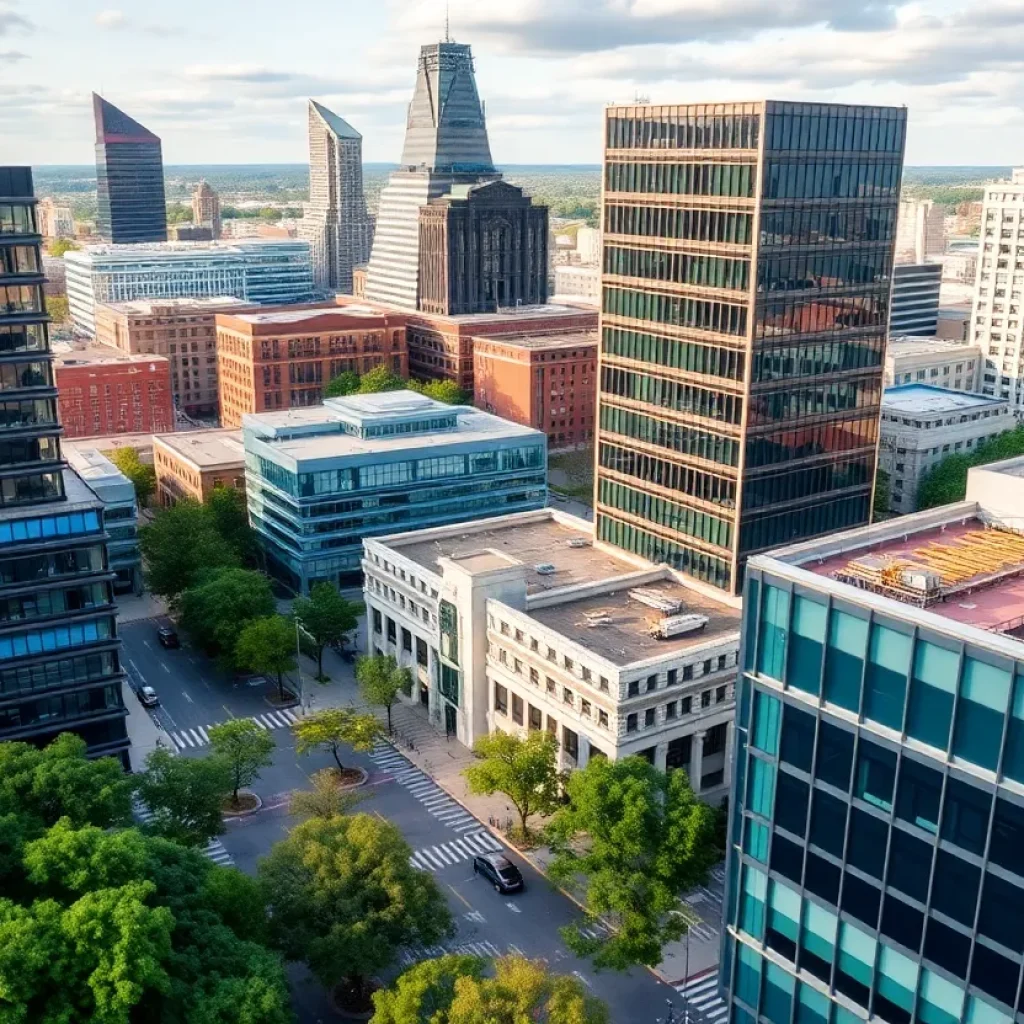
x=130, y=196
x=59, y=664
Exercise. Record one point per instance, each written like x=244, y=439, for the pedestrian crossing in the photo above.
x=443, y=855
x=488, y=950
x=214, y=850
x=702, y=1000
x=424, y=789
x=198, y=736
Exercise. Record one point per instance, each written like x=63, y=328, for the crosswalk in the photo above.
x=424, y=789
x=433, y=858
x=701, y=997
x=214, y=849
x=200, y=737
x=488, y=950
x=706, y=903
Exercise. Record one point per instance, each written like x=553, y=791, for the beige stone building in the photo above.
x=190, y=464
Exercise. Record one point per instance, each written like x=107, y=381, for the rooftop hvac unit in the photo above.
x=658, y=600
x=579, y=542
x=678, y=625
x=545, y=569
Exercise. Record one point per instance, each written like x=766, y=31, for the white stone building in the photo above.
x=938, y=361
x=920, y=231
x=579, y=283
x=523, y=623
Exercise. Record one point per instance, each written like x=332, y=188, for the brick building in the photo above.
x=190, y=464
x=183, y=330
x=102, y=390
x=283, y=359
x=547, y=381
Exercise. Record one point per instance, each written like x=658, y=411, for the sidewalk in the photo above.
x=144, y=733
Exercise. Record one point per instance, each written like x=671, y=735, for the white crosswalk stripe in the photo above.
x=215, y=849
x=701, y=995
x=197, y=736
x=443, y=855
x=487, y=950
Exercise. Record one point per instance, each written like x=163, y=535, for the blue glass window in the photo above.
x=797, y=738
x=984, y=698
x=897, y=981
x=996, y=975
x=910, y=864
x=755, y=893
x=774, y=624
x=844, y=659
x=828, y=822
x=866, y=847
x=861, y=900
x=777, y=1002
x=812, y=1007
x=918, y=795
x=818, y=940
x=767, y=716
x=787, y=857
x=856, y=963
x=1013, y=759
x=748, y=975
x=876, y=774
x=885, y=684
x=941, y=1001
x=980, y=1012
x=750, y=603
x=1007, y=848
x=932, y=689
x=756, y=843
x=783, y=920
x=807, y=641
x=835, y=756
x=1002, y=907
x=955, y=889
x=761, y=787
x=965, y=815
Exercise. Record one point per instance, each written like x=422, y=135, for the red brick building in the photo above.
x=546, y=381
x=104, y=391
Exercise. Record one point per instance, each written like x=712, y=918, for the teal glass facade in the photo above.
x=876, y=847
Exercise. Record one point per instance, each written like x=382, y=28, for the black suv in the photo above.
x=168, y=637
x=499, y=871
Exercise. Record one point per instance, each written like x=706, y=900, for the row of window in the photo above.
x=29, y=449
x=678, y=267
x=806, y=481
x=811, y=359
x=688, y=179
x=825, y=225
x=55, y=638
x=832, y=179
x=58, y=673
x=43, y=603
x=14, y=376
x=23, y=338
x=812, y=439
x=672, y=394
x=683, y=129
x=64, y=707
x=21, y=530
x=709, y=360
x=761, y=530
x=16, y=219
x=675, y=437
x=677, y=311
x=671, y=475
x=23, y=298
x=19, y=259
x=675, y=222
x=39, y=412
x=821, y=400
x=31, y=487
x=827, y=271
x=777, y=318
x=820, y=128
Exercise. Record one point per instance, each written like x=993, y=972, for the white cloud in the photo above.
x=111, y=18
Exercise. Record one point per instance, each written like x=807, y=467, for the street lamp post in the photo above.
x=298, y=664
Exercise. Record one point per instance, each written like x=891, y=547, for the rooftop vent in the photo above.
x=658, y=600
x=544, y=569
x=579, y=542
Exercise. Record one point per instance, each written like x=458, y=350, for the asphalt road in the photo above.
x=443, y=836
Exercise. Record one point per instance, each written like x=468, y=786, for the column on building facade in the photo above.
x=661, y=757
x=583, y=754
x=730, y=740
x=697, y=760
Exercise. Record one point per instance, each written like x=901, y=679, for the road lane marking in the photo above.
x=461, y=897
x=583, y=978
x=187, y=697
x=165, y=667
x=513, y=908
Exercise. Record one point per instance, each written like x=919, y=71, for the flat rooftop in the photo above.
x=521, y=313
x=206, y=449
x=150, y=307
x=65, y=354
x=926, y=400
x=910, y=345
x=570, y=339
x=90, y=463
x=134, y=253
x=297, y=316
x=78, y=496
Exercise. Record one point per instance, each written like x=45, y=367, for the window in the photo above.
x=761, y=787
x=932, y=689
x=567, y=696
x=602, y=719
x=910, y=862
x=377, y=621
x=517, y=709
x=835, y=755
x=918, y=795
x=885, y=682
x=549, y=684
x=844, y=659
x=535, y=720
x=633, y=688
x=673, y=675
x=603, y=684
x=649, y=718
x=807, y=642
x=500, y=699
x=984, y=696
x=705, y=699
x=792, y=796
x=876, y=774
x=631, y=722
x=965, y=816
x=652, y=682
x=772, y=635
x=797, y=746
x=585, y=708
x=686, y=705
x=720, y=692
x=671, y=710
x=534, y=677
x=767, y=716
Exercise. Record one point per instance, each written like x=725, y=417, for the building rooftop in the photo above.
x=909, y=345
x=78, y=496
x=205, y=449
x=149, y=307
x=298, y=316
x=108, y=482
x=927, y=400
x=136, y=253
x=571, y=339
x=66, y=354
x=142, y=443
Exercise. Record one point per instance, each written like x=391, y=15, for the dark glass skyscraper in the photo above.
x=131, y=206
x=59, y=665
x=748, y=252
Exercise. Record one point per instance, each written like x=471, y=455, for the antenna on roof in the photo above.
x=447, y=22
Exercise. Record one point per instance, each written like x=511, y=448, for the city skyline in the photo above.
x=547, y=71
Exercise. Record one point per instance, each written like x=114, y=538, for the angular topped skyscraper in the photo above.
x=130, y=196
x=336, y=223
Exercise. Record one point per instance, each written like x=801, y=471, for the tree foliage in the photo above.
x=381, y=679
x=221, y=603
x=230, y=517
x=327, y=618
x=59, y=246
x=58, y=308
x=267, y=646
x=446, y=391
x=326, y=799
x=880, y=508
x=333, y=729
x=344, y=898
x=946, y=483
x=523, y=768
x=143, y=477
x=380, y=378
x=245, y=748
x=636, y=837
x=346, y=383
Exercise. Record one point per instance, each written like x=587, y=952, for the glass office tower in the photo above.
x=748, y=253
x=59, y=665
x=876, y=847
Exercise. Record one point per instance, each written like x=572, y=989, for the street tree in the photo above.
x=446, y=391
x=267, y=646
x=425, y=992
x=230, y=517
x=327, y=618
x=344, y=899
x=381, y=679
x=186, y=796
x=334, y=729
x=380, y=378
x=636, y=838
x=219, y=606
x=143, y=477
x=245, y=748
x=346, y=383
x=326, y=799
x=522, y=768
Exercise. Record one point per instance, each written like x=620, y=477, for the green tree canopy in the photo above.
x=346, y=383
x=326, y=799
x=380, y=378
x=946, y=483
x=446, y=391
x=230, y=516
x=143, y=477
x=334, y=729
x=381, y=680
x=267, y=646
x=637, y=838
x=58, y=308
x=523, y=768
x=245, y=748
x=221, y=603
x=186, y=795
x=327, y=618
x=179, y=213
x=344, y=898
x=880, y=508
x=59, y=246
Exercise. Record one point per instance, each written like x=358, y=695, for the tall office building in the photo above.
x=920, y=231
x=206, y=209
x=336, y=223
x=876, y=849
x=996, y=317
x=915, y=299
x=59, y=667
x=130, y=201
x=748, y=252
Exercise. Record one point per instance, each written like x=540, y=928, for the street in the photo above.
x=443, y=835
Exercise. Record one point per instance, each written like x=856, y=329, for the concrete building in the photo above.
x=945, y=364
x=283, y=359
x=954, y=322
x=206, y=209
x=915, y=299
x=922, y=425
x=524, y=623
x=960, y=266
x=183, y=331
x=190, y=464
x=875, y=863
x=131, y=205
x=573, y=282
x=59, y=651
x=271, y=272
x=103, y=390
x=55, y=220
x=56, y=280
x=920, y=231
x=189, y=233
x=320, y=480
x=588, y=246
x=740, y=383
x=996, y=318
x=120, y=512
x=546, y=381
x=336, y=222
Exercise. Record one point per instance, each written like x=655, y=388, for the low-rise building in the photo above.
x=960, y=266
x=284, y=358
x=954, y=323
x=525, y=623
x=55, y=219
x=321, y=479
x=107, y=445
x=546, y=381
x=120, y=512
x=575, y=283
x=921, y=425
x=102, y=390
x=946, y=364
x=190, y=464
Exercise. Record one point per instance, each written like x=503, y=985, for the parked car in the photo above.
x=168, y=637
x=499, y=871
x=148, y=697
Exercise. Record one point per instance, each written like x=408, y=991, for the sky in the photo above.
x=226, y=81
